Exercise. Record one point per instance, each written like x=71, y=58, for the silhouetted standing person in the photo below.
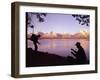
x=79, y=54
x=35, y=39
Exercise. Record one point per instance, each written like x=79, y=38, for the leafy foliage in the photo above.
x=82, y=19
x=40, y=17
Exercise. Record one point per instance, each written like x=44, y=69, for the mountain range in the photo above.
x=53, y=35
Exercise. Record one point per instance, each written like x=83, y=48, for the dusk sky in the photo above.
x=58, y=23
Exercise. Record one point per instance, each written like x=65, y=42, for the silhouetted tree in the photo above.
x=82, y=19
x=29, y=23
x=40, y=17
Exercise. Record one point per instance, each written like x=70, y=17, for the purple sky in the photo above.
x=59, y=23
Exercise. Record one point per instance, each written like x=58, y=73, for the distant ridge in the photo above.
x=80, y=35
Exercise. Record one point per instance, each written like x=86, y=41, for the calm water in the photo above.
x=60, y=47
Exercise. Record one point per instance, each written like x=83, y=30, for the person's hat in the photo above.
x=78, y=43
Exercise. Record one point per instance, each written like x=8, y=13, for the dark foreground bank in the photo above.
x=37, y=58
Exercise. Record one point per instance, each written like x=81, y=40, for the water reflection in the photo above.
x=60, y=46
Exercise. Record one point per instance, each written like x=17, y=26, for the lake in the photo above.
x=61, y=47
